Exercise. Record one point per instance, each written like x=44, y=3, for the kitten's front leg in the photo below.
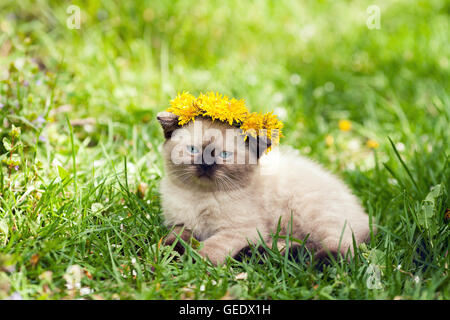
x=227, y=242
x=183, y=233
x=336, y=238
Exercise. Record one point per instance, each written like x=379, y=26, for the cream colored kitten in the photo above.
x=224, y=199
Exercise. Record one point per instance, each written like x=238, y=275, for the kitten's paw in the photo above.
x=212, y=253
x=184, y=234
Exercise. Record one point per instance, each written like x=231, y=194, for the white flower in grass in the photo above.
x=241, y=276
x=354, y=145
x=73, y=277
x=416, y=279
x=99, y=163
x=56, y=163
x=131, y=168
x=400, y=147
x=97, y=207
x=86, y=290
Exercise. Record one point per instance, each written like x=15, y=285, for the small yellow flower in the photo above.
x=273, y=126
x=372, y=144
x=184, y=107
x=329, y=140
x=345, y=125
x=221, y=107
x=252, y=124
x=268, y=124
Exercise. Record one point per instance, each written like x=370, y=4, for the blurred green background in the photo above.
x=316, y=61
x=312, y=62
x=133, y=56
x=341, y=89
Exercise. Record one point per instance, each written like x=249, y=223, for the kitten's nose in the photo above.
x=206, y=167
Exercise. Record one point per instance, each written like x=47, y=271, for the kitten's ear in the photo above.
x=169, y=123
x=259, y=144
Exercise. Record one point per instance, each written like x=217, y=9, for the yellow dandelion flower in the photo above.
x=222, y=108
x=273, y=127
x=372, y=144
x=345, y=125
x=253, y=124
x=185, y=108
x=231, y=111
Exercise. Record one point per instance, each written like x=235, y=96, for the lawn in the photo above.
x=80, y=215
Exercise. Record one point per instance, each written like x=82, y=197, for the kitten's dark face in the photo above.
x=211, y=156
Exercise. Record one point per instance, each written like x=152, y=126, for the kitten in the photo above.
x=224, y=193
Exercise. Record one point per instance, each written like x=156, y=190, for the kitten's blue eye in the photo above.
x=192, y=149
x=225, y=154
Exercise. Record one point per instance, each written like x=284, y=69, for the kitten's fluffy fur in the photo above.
x=227, y=210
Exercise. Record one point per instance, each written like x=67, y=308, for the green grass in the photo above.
x=79, y=182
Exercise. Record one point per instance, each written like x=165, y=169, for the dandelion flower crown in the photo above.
x=231, y=111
